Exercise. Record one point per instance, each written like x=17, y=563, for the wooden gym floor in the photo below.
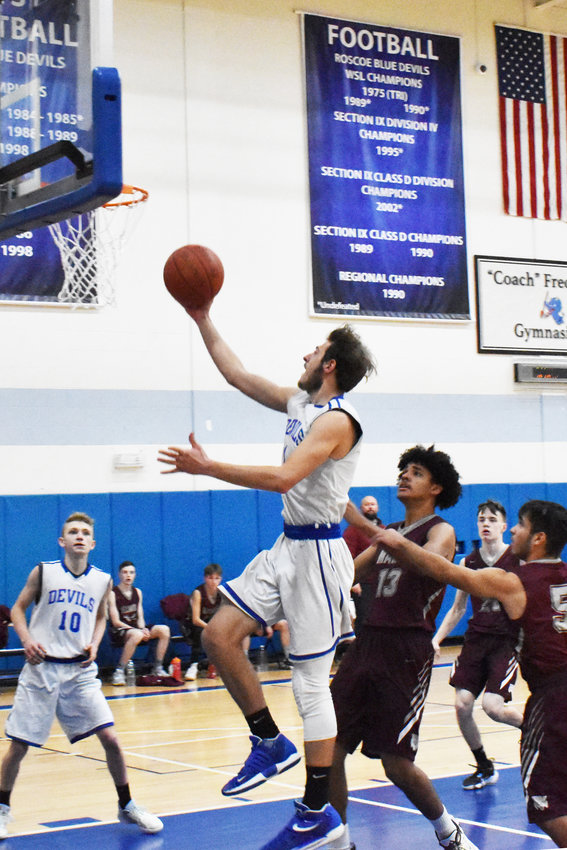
x=181, y=745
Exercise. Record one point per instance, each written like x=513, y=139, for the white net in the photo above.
x=90, y=246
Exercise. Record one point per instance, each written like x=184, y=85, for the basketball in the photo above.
x=193, y=275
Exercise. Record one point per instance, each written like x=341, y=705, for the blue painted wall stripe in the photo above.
x=114, y=417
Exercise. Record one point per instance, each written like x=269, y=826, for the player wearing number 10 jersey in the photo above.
x=59, y=678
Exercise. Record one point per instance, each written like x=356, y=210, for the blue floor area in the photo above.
x=379, y=816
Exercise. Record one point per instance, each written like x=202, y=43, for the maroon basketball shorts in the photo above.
x=543, y=747
x=487, y=661
x=380, y=689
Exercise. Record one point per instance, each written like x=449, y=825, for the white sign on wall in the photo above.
x=521, y=306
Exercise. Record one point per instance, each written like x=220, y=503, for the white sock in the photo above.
x=341, y=843
x=444, y=824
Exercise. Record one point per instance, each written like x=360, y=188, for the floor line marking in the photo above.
x=494, y=827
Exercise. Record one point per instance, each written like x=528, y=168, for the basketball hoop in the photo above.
x=90, y=246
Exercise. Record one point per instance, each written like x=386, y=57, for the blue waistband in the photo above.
x=312, y=532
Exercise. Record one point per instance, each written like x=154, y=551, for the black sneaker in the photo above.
x=481, y=777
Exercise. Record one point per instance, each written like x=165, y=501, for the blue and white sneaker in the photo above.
x=308, y=829
x=269, y=757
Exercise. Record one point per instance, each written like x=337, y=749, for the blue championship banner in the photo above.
x=40, y=102
x=385, y=171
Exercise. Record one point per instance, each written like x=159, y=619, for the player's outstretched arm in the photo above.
x=230, y=366
x=331, y=436
x=490, y=582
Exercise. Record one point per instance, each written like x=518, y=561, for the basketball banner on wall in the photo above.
x=385, y=171
x=43, y=100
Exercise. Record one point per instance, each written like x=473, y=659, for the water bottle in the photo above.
x=175, y=668
x=130, y=674
x=262, y=666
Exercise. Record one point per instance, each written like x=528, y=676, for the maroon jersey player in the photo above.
x=488, y=660
x=379, y=696
x=535, y=596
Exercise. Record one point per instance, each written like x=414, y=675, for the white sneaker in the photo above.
x=343, y=842
x=133, y=813
x=118, y=677
x=191, y=673
x=457, y=840
x=5, y=818
x=158, y=671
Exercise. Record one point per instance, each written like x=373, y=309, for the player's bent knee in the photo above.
x=493, y=705
x=108, y=738
x=464, y=702
x=310, y=683
x=134, y=636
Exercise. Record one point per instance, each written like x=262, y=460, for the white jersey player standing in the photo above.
x=59, y=678
x=307, y=575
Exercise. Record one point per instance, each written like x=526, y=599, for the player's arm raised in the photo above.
x=491, y=582
x=331, y=436
x=231, y=368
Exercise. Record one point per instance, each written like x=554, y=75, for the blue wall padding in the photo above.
x=171, y=537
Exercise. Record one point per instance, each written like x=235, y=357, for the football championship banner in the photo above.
x=385, y=171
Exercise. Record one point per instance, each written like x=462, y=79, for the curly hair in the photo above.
x=440, y=466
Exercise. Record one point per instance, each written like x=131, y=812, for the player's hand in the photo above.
x=145, y=634
x=192, y=460
x=200, y=313
x=90, y=652
x=388, y=538
x=356, y=589
x=35, y=653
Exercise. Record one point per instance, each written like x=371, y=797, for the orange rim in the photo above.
x=138, y=197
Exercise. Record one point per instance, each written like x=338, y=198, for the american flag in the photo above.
x=533, y=123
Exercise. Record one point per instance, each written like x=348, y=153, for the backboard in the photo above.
x=60, y=111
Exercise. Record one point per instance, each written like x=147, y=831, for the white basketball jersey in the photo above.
x=322, y=496
x=63, y=619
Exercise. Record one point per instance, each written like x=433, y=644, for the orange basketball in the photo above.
x=193, y=275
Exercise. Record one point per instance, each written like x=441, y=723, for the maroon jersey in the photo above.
x=208, y=608
x=403, y=599
x=127, y=608
x=543, y=637
x=488, y=615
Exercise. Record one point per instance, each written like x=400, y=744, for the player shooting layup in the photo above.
x=305, y=578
